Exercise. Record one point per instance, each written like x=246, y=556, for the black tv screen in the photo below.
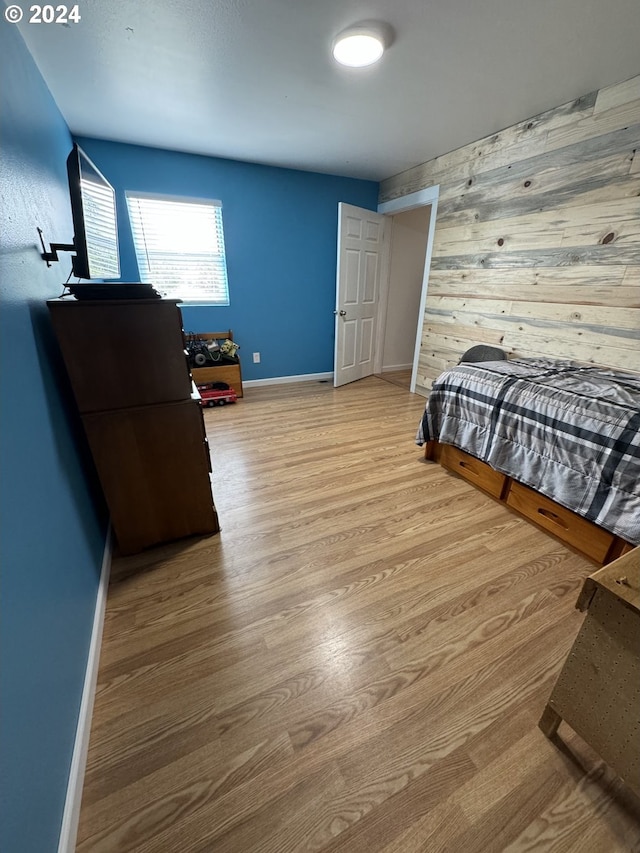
x=93, y=206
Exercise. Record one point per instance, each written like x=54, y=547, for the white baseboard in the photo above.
x=281, y=380
x=389, y=368
x=71, y=814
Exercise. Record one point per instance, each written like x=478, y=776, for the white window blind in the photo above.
x=180, y=247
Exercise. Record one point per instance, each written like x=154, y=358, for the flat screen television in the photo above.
x=93, y=207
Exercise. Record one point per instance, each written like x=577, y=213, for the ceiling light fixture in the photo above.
x=362, y=44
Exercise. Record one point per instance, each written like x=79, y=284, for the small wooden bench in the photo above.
x=223, y=372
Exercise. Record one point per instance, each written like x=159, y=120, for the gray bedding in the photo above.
x=570, y=432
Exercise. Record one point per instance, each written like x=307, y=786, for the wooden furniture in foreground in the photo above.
x=229, y=373
x=593, y=541
x=598, y=690
x=143, y=421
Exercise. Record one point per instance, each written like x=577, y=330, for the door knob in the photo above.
x=342, y=313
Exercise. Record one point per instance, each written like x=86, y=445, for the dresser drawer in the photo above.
x=479, y=473
x=566, y=525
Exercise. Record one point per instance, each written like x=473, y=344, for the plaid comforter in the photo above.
x=568, y=431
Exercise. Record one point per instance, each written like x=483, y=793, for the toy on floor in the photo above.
x=213, y=394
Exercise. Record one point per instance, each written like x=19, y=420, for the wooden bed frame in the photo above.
x=599, y=545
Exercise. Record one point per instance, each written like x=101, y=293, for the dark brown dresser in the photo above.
x=144, y=424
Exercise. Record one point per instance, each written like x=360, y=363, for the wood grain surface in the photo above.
x=537, y=239
x=357, y=662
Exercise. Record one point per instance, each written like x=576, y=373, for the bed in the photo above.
x=569, y=432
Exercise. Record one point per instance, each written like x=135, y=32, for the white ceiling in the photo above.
x=254, y=79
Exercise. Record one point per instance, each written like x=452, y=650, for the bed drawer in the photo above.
x=472, y=469
x=566, y=525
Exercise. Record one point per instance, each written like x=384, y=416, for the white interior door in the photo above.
x=362, y=257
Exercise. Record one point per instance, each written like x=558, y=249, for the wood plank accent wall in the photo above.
x=537, y=240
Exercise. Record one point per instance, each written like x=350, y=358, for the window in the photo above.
x=180, y=246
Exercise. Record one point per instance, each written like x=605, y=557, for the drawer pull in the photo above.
x=466, y=466
x=551, y=516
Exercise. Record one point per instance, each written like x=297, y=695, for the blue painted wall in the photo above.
x=280, y=234
x=53, y=525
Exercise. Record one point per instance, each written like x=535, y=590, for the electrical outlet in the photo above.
x=256, y=358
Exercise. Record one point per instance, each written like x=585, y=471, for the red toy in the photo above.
x=215, y=397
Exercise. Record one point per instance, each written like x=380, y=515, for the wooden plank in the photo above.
x=632, y=276
x=525, y=279
x=527, y=345
x=460, y=338
x=541, y=174
x=560, y=336
x=461, y=320
x=617, y=95
x=424, y=386
x=444, y=305
x=503, y=239
x=562, y=257
x=432, y=174
x=620, y=231
x=496, y=195
x=551, y=338
x=596, y=190
x=617, y=118
x=565, y=293
x=431, y=366
x=534, y=346
x=594, y=317
x=538, y=230
x=568, y=285
x=439, y=352
x=508, y=243
x=587, y=315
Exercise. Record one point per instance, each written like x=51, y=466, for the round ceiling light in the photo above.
x=360, y=45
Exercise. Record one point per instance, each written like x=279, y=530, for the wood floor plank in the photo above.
x=586, y=803
x=130, y=814
x=427, y=833
x=357, y=662
x=375, y=814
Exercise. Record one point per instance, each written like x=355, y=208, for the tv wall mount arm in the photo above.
x=52, y=255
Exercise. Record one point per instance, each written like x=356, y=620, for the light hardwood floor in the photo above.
x=357, y=662
x=401, y=378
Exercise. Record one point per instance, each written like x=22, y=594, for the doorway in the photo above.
x=407, y=252
x=405, y=293
x=388, y=344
